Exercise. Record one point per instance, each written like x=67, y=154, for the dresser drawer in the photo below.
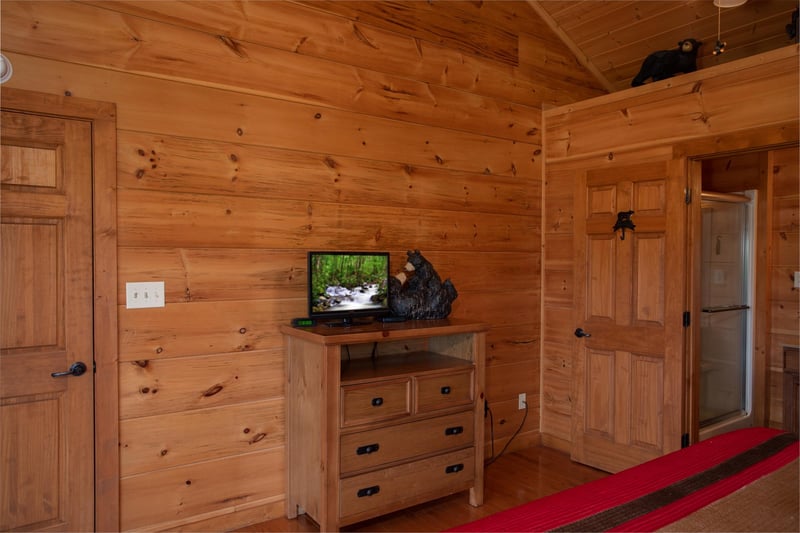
x=375, y=401
x=440, y=391
x=393, y=488
x=368, y=449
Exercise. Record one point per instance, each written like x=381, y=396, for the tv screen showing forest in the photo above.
x=341, y=282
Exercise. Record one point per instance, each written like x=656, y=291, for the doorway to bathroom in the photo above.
x=726, y=322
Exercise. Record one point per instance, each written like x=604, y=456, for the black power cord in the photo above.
x=373, y=356
x=494, y=457
x=488, y=411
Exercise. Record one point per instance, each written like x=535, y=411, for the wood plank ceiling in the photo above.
x=612, y=38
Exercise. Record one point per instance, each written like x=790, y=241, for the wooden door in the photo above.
x=46, y=422
x=628, y=375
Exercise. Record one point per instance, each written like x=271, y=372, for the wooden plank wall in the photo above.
x=743, y=105
x=784, y=298
x=251, y=132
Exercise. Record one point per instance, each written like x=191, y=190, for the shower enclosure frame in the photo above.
x=741, y=415
x=760, y=311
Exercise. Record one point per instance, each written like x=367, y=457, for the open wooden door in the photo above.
x=46, y=325
x=630, y=293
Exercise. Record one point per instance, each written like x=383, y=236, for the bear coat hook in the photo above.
x=624, y=222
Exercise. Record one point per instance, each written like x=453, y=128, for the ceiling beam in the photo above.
x=607, y=85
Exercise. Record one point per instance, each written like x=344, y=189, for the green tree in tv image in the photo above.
x=348, y=282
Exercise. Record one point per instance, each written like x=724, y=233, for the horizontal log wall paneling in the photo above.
x=172, y=108
x=705, y=112
x=141, y=45
x=162, y=441
x=249, y=133
x=392, y=51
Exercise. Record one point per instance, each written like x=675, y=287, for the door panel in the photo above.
x=47, y=439
x=30, y=276
x=601, y=269
x=630, y=299
x=647, y=400
x=648, y=267
x=599, y=387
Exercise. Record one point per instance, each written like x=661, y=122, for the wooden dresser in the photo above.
x=380, y=417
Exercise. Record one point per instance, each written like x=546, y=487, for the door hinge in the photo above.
x=684, y=440
x=687, y=319
x=688, y=196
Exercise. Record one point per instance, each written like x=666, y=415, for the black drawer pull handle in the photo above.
x=455, y=430
x=369, y=491
x=368, y=449
x=452, y=469
x=377, y=402
x=446, y=389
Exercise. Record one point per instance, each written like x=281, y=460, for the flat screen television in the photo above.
x=344, y=286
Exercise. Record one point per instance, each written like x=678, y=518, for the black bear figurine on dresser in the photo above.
x=666, y=63
x=418, y=292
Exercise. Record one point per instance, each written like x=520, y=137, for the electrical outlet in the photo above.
x=140, y=295
x=522, y=401
x=797, y=280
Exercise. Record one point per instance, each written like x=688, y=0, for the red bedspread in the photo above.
x=656, y=493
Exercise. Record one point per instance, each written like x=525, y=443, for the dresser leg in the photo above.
x=476, y=496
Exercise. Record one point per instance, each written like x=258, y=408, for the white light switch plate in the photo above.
x=797, y=280
x=139, y=295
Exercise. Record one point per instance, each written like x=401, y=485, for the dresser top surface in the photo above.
x=383, y=331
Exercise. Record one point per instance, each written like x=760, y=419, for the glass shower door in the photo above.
x=725, y=328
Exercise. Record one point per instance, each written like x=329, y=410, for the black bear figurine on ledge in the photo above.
x=792, y=29
x=666, y=63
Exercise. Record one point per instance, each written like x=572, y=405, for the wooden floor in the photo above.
x=513, y=479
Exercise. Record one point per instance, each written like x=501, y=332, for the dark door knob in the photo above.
x=580, y=333
x=75, y=369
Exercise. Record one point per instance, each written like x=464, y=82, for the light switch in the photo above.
x=797, y=280
x=139, y=295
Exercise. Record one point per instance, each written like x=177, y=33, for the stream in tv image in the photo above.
x=348, y=283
